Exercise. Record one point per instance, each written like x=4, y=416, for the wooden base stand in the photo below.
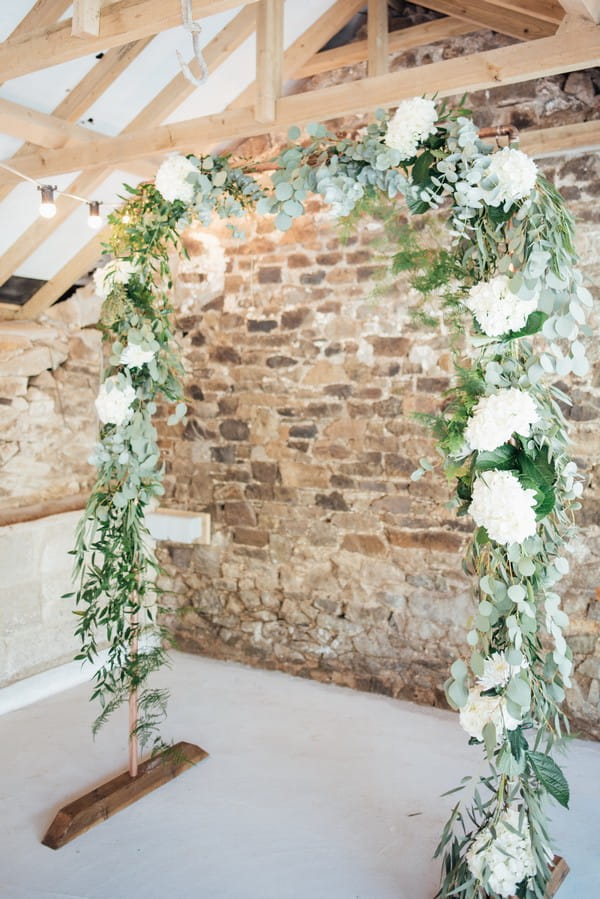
x=108, y=799
x=560, y=869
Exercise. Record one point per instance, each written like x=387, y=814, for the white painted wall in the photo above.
x=36, y=625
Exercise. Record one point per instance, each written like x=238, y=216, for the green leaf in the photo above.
x=284, y=191
x=519, y=692
x=420, y=171
x=457, y=694
x=518, y=743
x=504, y=458
x=550, y=776
x=535, y=322
x=489, y=738
x=293, y=132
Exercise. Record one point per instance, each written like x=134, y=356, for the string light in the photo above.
x=49, y=192
x=94, y=217
x=47, y=204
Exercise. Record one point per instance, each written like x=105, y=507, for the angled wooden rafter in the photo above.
x=38, y=128
x=178, y=89
x=398, y=42
x=549, y=10
x=42, y=13
x=479, y=71
x=487, y=14
x=120, y=23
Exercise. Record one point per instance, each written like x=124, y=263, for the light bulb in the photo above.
x=47, y=204
x=94, y=217
x=126, y=218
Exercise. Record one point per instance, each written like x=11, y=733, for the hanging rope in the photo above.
x=194, y=29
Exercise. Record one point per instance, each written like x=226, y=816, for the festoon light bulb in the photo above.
x=94, y=217
x=47, y=204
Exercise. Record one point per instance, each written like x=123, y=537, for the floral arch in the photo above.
x=507, y=277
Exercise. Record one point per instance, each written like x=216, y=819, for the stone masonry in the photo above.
x=326, y=559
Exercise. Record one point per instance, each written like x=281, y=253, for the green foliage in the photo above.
x=473, y=233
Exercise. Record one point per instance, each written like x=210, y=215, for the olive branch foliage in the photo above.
x=457, y=246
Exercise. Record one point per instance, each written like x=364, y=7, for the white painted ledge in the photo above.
x=179, y=526
x=40, y=686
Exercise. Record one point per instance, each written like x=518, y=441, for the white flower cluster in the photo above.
x=507, y=855
x=172, y=179
x=515, y=173
x=117, y=271
x=497, y=417
x=133, y=356
x=481, y=710
x=496, y=308
x=497, y=671
x=503, y=507
x=113, y=403
x=413, y=121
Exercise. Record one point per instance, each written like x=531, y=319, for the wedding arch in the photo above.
x=515, y=300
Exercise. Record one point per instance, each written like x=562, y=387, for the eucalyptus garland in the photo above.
x=506, y=276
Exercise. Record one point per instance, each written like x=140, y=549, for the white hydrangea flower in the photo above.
x=497, y=671
x=496, y=308
x=133, y=356
x=516, y=174
x=413, y=121
x=113, y=403
x=481, y=710
x=171, y=179
x=508, y=855
x=503, y=507
x=117, y=271
x=497, y=417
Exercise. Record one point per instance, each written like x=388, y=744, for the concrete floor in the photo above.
x=310, y=791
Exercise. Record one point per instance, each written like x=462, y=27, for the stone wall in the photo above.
x=326, y=560
x=48, y=382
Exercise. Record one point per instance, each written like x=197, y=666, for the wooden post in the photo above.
x=377, y=38
x=134, y=705
x=269, y=59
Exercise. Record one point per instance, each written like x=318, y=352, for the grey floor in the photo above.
x=310, y=791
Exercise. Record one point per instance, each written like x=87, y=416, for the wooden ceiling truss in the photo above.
x=550, y=37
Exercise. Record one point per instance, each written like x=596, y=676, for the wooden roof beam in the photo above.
x=548, y=10
x=487, y=14
x=398, y=42
x=584, y=9
x=480, y=71
x=120, y=23
x=86, y=18
x=377, y=37
x=269, y=58
x=39, y=128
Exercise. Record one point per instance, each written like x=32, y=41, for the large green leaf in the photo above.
x=535, y=322
x=420, y=172
x=503, y=458
x=550, y=776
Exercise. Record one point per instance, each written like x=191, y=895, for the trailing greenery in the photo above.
x=502, y=268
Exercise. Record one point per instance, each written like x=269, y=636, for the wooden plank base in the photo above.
x=108, y=799
x=560, y=869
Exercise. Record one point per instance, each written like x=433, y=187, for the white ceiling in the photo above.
x=136, y=87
